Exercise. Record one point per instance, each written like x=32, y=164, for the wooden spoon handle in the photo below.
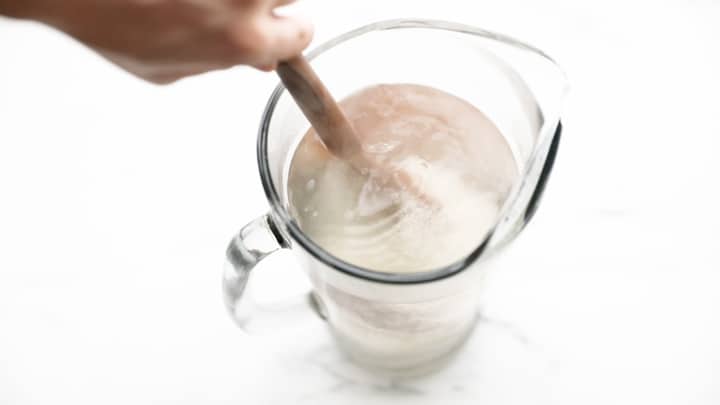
x=319, y=107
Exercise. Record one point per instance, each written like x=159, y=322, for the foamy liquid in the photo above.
x=452, y=151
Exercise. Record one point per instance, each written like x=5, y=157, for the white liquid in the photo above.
x=452, y=151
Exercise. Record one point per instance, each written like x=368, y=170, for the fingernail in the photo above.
x=268, y=67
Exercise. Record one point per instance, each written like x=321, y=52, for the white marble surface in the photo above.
x=117, y=199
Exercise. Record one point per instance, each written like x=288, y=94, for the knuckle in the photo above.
x=250, y=41
x=161, y=80
x=249, y=4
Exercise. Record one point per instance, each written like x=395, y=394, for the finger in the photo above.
x=266, y=67
x=287, y=37
x=266, y=5
x=280, y=3
x=170, y=74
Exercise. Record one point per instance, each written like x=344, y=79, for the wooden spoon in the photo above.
x=321, y=109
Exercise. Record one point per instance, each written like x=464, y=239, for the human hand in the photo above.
x=165, y=40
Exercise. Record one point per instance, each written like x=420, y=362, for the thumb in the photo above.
x=287, y=37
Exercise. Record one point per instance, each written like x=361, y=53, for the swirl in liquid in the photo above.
x=452, y=151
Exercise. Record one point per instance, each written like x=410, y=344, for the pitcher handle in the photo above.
x=252, y=244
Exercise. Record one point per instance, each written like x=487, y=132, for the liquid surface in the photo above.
x=461, y=167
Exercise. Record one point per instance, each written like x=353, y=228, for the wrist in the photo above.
x=45, y=11
x=19, y=9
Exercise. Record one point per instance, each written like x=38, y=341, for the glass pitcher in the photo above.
x=405, y=323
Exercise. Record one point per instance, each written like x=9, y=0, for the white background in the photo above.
x=117, y=199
